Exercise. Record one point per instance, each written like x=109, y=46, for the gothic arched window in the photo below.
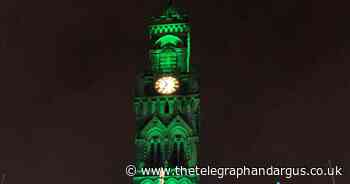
x=178, y=157
x=169, y=39
x=154, y=157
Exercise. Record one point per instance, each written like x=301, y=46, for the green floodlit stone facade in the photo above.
x=168, y=125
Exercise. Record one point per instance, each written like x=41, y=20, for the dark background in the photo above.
x=274, y=86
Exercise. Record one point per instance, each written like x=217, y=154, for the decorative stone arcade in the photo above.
x=167, y=103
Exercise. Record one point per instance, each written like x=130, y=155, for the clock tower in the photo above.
x=166, y=102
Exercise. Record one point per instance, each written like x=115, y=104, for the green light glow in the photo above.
x=168, y=28
x=167, y=60
x=168, y=39
x=168, y=123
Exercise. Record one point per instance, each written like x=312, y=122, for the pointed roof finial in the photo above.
x=170, y=2
x=170, y=14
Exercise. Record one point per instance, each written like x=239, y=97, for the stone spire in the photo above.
x=170, y=2
x=171, y=14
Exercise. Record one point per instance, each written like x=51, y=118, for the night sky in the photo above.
x=275, y=86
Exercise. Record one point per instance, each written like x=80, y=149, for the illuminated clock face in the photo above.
x=167, y=85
